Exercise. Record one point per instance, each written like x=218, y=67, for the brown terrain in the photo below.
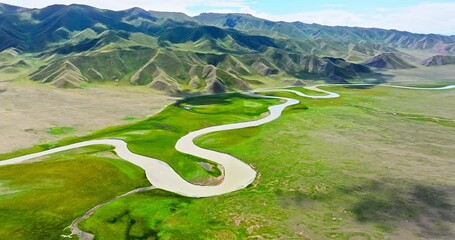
x=28, y=110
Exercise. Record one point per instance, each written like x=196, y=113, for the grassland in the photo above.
x=38, y=200
x=63, y=179
x=357, y=167
x=60, y=130
x=328, y=169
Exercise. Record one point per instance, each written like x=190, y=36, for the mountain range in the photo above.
x=69, y=45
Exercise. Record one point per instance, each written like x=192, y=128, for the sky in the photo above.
x=427, y=16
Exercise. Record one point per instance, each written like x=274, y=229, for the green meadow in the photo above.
x=376, y=163
x=38, y=200
x=60, y=130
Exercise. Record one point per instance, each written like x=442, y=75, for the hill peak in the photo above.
x=10, y=8
x=136, y=11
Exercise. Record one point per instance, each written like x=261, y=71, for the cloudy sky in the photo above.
x=410, y=15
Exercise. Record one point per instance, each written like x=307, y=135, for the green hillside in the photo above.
x=77, y=44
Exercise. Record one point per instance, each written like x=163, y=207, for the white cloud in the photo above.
x=421, y=18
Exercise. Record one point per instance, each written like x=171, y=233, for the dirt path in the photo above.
x=75, y=231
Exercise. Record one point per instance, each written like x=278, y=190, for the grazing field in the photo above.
x=376, y=163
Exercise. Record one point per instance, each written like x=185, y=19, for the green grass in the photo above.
x=85, y=85
x=60, y=130
x=81, y=173
x=129, y=118
x=328, y=169
x=156, y=136
x=45, y=197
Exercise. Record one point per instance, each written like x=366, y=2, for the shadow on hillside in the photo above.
x=365, y=86
x=371, y=80
x=426, y=207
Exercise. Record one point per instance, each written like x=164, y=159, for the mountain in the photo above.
x=438, y=60
x=70, y=45
x=388, y=61
x=343, y=36
x=172, y=16
x=5, y=8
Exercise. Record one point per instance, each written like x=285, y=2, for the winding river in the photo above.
x=237, y=174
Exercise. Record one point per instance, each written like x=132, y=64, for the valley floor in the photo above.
x=439, y=75
x=376, y=163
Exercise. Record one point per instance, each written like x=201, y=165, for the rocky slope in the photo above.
x=438, y=60
x=388, y=61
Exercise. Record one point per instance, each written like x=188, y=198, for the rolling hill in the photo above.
x=388, y=61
